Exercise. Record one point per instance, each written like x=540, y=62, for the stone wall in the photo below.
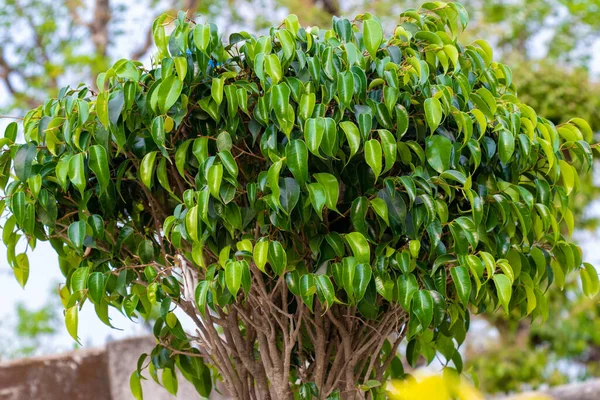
x=98, y=374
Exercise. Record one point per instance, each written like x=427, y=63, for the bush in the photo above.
x=308, y=199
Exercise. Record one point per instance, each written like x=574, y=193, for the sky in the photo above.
x=45, y=274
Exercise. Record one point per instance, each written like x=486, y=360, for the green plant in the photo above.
x=308, y=199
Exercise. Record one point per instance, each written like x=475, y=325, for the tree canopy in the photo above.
x=309, y=199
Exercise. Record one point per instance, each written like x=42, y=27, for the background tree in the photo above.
x=257, y=186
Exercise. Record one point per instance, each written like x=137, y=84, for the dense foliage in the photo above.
x=566, y=347
x=308, y=199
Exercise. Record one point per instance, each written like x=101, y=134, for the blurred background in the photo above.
x=552, y=46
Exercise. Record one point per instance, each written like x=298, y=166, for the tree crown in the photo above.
x=266, y=184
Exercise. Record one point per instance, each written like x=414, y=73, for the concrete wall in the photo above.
x=88, y=374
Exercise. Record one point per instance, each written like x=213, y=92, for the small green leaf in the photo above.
x=96, y=286
x=157, y=130
x=325, y=290
x=504, y=290
x=589, y=280
x=374, y=156
x=21, y=269
x=506, y=145
x=76, y=233
x=169, y=92
x=261, y=252
x=362, y=277
x=169, y=380
x=99, y=165
x=202, y=36
x=422, y=307
x=233, y=276
x=433, y=112
x=23, y=160
x=277, y=258
x=308, y=289
x=407, y=286
x=297, y=160
x=135, y=385
x=352, y=136
x=216, y=90
x=438, y=150
x=71, y=321
x=331, y=187
x=147, y=168
x=214, y=178
x=360, y=247
x=462, y=282
x=314, y=128
x=77, y=172
x=372, y=36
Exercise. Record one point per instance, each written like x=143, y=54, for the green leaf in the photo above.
x=462, y=282
x=589, y=280
x=214, y=178
x=99, y=165
x=76, y=233
x=325, y=289
x=422, y=307
x=135, y=385
x=273, y=181
x=21, y=269
x=360, y=247
x=233, y=276
x=331, y=187
x=11, y=131
x=79, y=279
x=345, y=88
x=23, y=160
x=504, y=290
x=438, y=150
x=372, y=36
x=273, y=68
x=380, y=207
x=96, y=286
x=169, y=92
x=202, y=36
x=277, y=258
x=308, y=289
x=157, y=130
x=147, y=168
x=362, y=277
x=169, y=380
x=506, y=145
x=374, y=156
x=261, y=252
x=352, y=136
x=407, y=286
x=433, y=112
x=180, y=67
x=216, y=90
x=229, y=163
x=297, y=160
x=568, y=175
x=77, y=172
x=314, y=128
x=71, y=322
x=318, y=197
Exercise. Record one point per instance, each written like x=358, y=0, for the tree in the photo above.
x=308, y=199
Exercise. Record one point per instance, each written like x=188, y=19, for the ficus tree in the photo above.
x=307, y=200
